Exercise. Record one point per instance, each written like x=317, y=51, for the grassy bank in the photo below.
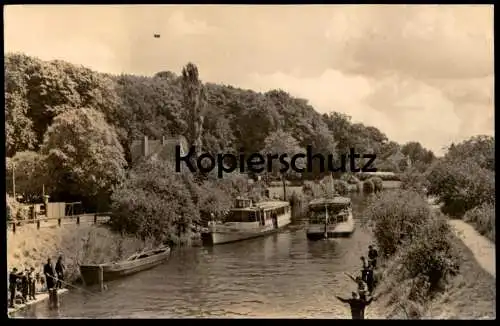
x=30, y=247
x=426, y=272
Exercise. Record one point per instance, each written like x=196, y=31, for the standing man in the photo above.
x=48, y=271
x=372, y=256
x=32, y=284
x=364, y=268
x=369, y=279
x=24, y=285
x=357, y=304
x=362, y=287
x=13, y=277
x=60, y=272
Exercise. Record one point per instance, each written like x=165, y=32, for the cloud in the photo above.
x=416, y=72
x=182, y=26
x=422, y=41
x=402, y=107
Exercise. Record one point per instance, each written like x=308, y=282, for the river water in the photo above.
x=279, y=276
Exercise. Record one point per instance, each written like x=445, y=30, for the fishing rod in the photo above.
x=74, y=286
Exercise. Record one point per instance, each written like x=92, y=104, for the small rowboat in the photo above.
x=136, y=263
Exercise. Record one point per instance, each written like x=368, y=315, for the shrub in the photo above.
x=461, y=186
x=341, y=186
x=414, y=180
x=359, y=186
x=368, y=186
x=154, y=202
x=430, y=254
x=307, y=190
x=349, y=178
x=395, y=216
x=378, y=184
x=483, y=218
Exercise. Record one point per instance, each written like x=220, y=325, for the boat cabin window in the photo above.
x=241, y=216
x=317, y=214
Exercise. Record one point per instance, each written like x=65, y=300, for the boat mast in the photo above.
x=326, y=222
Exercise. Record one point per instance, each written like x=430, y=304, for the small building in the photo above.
x=158, y=149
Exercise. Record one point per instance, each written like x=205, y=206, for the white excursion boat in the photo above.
x=330, y=218
x=248, y=220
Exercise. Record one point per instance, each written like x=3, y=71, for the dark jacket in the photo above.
x=357, y=306
x=13, y=277
x=372, y=254
x=59, y=267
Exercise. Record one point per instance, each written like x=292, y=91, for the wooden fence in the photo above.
x=94, y=218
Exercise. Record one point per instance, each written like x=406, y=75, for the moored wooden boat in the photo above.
x=330, y=218
x=247, y=220
x=134, y=264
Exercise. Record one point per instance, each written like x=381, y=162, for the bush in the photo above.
x=461, y=186
x=483, y=218
x=395, y=216
x=341, y=186
x=359, y=186
x=430, y=255
x=378, y=184
x=368, y=186
x=414, y=180
x=154, y=201
x=349, y=178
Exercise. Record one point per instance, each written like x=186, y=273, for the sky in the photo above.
x=418, y=73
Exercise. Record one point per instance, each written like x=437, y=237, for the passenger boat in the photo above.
x=248, y=220
x=330, y=218
x=136, y=263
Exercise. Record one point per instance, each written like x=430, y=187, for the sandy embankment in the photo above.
x=78, y=244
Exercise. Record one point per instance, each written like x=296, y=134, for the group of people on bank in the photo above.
x=24, y=285
x=365, y=285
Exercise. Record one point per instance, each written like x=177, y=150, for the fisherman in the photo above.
x=13, y=277
x=32, y=284
x=369, y=279
x=48, y=271
x=357, y=304
x=38, y=280
x=25, y=286
x=372, y=256
x=60, y=272
x=362, y=287
x=364, y=268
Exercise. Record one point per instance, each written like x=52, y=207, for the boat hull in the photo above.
x=226, y=236
x=341, y=230
x=90, y=273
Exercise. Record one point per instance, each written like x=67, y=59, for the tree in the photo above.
x=461, y=186
x=30, y=173
x=417, y=152
x=193, y=102
x=19, y=132
x=154, y=202
x=278, y=143
x=84, y=156
x=480, y=149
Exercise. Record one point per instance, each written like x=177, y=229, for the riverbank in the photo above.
x=469, y=294
x=78, y=244
x=40, y=297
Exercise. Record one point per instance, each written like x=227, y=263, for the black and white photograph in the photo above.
x=250, y=161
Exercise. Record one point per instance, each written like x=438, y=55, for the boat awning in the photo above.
x=330, y=201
